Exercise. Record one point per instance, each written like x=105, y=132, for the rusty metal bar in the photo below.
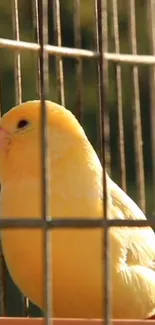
x=36, y=29
x=102, y=40
x=18, y=90
x=79, y=81
x=151, y=32
x=137, y=127
x=58, y=42
x=119, y=97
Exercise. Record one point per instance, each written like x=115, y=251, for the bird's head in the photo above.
x=20, y=136
x=72, y=157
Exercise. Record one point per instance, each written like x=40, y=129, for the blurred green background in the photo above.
x=89, y=86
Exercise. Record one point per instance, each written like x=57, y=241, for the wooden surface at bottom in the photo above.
x=41, y=321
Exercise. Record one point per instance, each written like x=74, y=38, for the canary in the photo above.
x=77, y=266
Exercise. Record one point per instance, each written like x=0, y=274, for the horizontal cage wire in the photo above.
x=91, y=57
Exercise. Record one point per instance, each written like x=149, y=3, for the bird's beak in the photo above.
x=3, y=138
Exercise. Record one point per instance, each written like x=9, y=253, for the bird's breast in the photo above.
x=76, y=254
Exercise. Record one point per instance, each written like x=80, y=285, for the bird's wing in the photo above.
x=140, y=241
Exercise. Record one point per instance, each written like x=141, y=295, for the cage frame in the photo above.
x=103, y=56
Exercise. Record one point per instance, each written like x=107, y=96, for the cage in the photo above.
x=96, y=57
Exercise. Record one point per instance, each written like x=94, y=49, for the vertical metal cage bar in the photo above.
x=18, y=87
x=79, y=81
x=107, y=124
x=2, y=284
x=2, y=262
x=98, y=71
x=101, y=16
x=119, y=96
x=45, y=159
x=36, y=28
x=17, y=56
x=106, y=76
x=151, y=29
x=136, y=112
x=59, y=60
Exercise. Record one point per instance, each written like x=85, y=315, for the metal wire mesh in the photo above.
x=103, y=58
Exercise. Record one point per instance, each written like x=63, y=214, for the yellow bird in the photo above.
x=76, y=191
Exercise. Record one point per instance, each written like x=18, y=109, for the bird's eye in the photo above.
x=22, y=124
